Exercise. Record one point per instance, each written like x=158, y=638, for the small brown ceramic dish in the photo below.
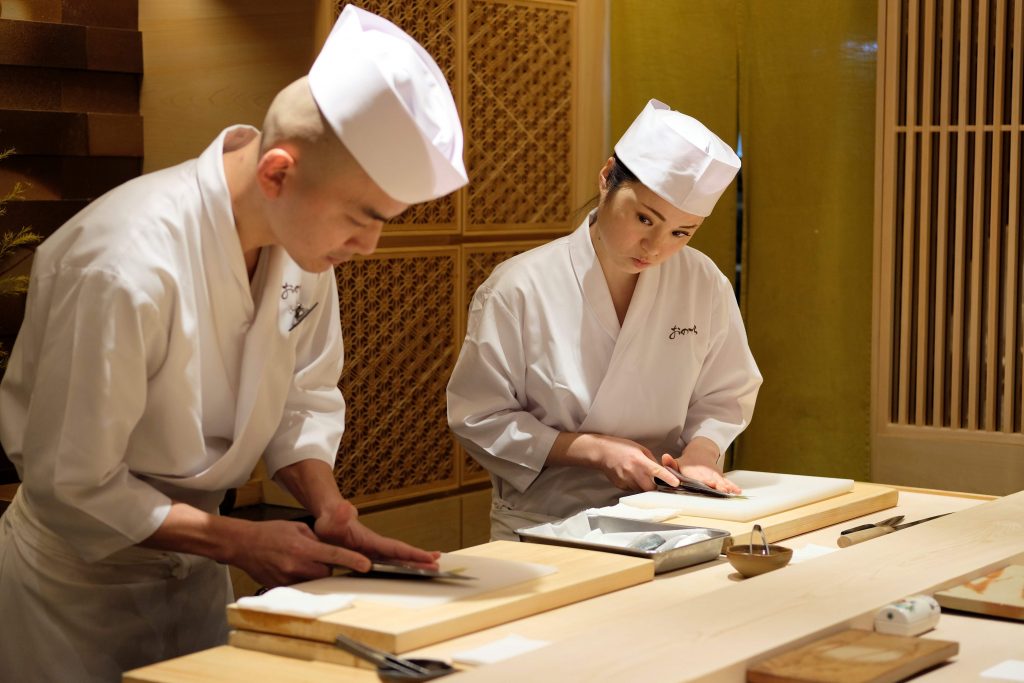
x=751, y=560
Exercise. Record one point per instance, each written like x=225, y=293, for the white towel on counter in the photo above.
x=810, y=551
x=507, y=647
x=284, y=600
x=624, y=511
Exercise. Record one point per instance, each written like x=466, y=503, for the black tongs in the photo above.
x=692, y=486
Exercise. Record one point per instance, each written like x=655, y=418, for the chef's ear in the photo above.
x=273, y=169
x=602, y=177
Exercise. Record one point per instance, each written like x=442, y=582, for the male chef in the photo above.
x=184, y=325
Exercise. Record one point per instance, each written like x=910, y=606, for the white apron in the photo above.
x=70, y=620
x=544, y=354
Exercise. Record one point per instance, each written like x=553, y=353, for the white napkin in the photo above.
x=625, y=511
x=810, y=551
x=1010, y=670
x=498, y=650
x=284, y=600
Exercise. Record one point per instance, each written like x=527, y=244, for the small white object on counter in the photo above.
x=908, y=617
x=624, y=511
x=1010, y=670
x=498, y=650
x=285, y=600
x=809, y=552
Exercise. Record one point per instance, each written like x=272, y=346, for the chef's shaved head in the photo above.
x=294, y=121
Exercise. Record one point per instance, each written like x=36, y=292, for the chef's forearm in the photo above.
x=187, y=529
x=312, y=483
x=573, y=449
x=701, y=451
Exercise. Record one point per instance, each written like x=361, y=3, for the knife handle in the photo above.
x=864, y=535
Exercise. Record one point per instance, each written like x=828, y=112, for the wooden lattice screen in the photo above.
x=949, y=228
x=514, y=71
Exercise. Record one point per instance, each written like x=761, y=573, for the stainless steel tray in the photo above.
x=664, y=561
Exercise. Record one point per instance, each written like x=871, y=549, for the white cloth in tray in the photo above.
x=284, y=600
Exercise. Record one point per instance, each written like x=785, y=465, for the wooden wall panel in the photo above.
x=398, y=311
x=215, y=63
x=949, y=350
x=110, y=13
x=435, y=26
x=521, y=104
x=69, y=108
x=67, y=46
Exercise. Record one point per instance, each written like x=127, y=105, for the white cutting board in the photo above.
x=491, y=574
x=767, y=493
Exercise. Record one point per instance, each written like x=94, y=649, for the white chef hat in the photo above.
x=677, y=157
x=387, y=100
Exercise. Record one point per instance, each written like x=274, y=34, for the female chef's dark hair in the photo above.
x=618, y=176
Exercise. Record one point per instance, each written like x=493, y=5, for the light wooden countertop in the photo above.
x=690, y=624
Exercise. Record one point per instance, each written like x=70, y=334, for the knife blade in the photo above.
x=687, y=485
x=876, y=531
x=395, y=570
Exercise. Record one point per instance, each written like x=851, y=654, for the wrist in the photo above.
x=189, y=530
x=575, y=449
x=229, y=537
x=700, y=451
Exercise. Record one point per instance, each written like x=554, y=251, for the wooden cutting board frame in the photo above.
x=863, y=499
x=581, y=574
x=852, y=656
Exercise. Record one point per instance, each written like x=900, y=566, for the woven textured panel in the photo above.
x=481, y=260
x=954, y=225
x=519, y=121
x=432, y=24
x=477, y=266
x=397, y=314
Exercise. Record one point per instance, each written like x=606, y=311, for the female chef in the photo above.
x=613, y=355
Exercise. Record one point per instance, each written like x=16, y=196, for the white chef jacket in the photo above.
x=545, y=353
x=150, y=370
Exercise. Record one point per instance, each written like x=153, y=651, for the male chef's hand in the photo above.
x=279, y=553
x=338, y=524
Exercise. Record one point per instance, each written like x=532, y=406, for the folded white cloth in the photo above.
x=505, y=648
x=1010, y=670
x=284, y=600
x=810, y=551
x=624, y=511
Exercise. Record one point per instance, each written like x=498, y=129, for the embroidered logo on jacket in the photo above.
x=681, y=331
x=299, y=312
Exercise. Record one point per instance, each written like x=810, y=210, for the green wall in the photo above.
x=696, y=74
x=797, y=79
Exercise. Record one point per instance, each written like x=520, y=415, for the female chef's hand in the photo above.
x=628, y=465
x=698, y=461
x=338, y=524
